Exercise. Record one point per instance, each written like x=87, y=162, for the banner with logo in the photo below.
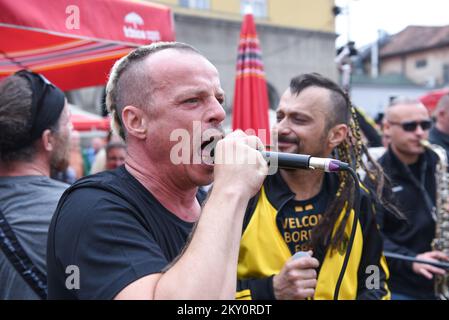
x=74, y=43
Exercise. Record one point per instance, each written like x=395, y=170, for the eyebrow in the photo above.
x=195, y=92
x=295, y=113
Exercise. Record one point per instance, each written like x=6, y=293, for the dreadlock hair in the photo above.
x=351, y=151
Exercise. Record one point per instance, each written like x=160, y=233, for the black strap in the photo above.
x=13, y=250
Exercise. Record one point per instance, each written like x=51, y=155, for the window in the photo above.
x=421, y=63
x=196, y=4
x=259, y=7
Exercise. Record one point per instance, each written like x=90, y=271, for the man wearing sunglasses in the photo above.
x=34, y=138
x=411, y=169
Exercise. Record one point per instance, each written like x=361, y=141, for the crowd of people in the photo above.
x=126, y=221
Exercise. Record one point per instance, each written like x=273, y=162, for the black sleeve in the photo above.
x=101, y=234
x=397, y=266
x=373, y=270
x=255, y=289
x=385, y=217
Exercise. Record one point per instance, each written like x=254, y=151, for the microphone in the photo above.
x=301, y=161
x=304, y=161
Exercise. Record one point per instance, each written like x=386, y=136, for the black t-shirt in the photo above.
x=298, y=218
x=114, y=231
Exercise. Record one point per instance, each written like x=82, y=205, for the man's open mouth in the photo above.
x=208, y=149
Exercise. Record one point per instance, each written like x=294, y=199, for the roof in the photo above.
x=416, y=38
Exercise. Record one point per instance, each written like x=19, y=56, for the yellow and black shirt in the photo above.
x=276, y=226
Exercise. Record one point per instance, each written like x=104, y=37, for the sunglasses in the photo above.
x=410, y=126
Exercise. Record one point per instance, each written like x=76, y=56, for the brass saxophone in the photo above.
x=441, y=240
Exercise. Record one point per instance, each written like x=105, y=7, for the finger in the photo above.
x=301, y=275
x=304, y=293
x=254, y=142
x=263, y=164
x=438, y=255
x=308, y=274
x=236, y=134
x=435, y=270
x=306, y=284
x=426, y=273
x=305, y=263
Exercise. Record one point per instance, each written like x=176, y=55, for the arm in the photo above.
x=381, y=216
x=384, y=217
x=255, y=289
x=214, y=246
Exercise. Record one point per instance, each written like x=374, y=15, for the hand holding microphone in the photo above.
x=298, y=278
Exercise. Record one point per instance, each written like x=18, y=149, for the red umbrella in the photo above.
x=431, y=99
x=75, y=42
x=250, y=109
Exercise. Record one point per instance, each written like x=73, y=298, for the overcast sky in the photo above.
x=367, y=16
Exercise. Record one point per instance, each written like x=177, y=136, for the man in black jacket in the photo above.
x=411, y=169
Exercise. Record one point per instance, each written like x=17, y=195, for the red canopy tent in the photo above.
x=86, y=121
x=250, y=110
x=75, y=42
x=431, y=99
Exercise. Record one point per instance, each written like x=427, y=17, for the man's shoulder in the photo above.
x=385, y=158
x=112, y=187
x=58, y=184
x=115, y=181
x=388, y=162
x=32, y=189
x=436, y=136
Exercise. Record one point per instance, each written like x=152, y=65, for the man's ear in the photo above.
x=135, y=121
x=386, y=127
x=48, y=140
x=337, y=135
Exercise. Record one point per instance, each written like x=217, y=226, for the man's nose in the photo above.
x=419, y=130
x=282, y=127
x=217, y=113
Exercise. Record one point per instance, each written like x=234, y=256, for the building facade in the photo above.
x=296, y=36
x=418, y=53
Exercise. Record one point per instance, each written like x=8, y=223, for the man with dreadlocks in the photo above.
x=312, y=211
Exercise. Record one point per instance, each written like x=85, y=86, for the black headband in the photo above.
x=46, y=105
